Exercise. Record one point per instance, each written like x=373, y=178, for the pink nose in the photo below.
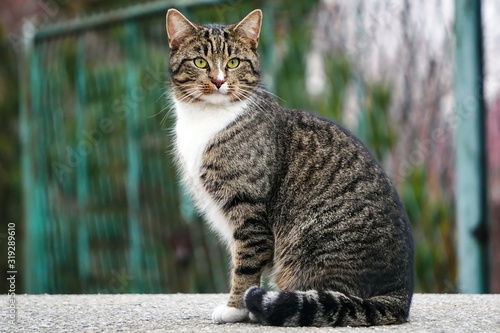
x=218, y=83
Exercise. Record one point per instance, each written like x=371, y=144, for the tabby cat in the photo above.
x=291, y=194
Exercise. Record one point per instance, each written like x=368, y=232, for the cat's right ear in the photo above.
x=178, y=28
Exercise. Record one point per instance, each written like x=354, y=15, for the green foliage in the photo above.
x=433, y=230
x=375, y=123
x=331, y=103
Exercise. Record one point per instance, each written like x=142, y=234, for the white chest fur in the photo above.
x=196, y=125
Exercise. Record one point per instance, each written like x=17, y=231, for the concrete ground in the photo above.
x=192, y=313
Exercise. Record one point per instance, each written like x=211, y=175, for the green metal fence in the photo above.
x=104, y=210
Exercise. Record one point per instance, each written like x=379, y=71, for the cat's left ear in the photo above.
x=249, y=27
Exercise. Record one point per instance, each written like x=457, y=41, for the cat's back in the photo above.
x=322, y=148
x=326, y=165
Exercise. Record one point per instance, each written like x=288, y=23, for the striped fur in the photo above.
x=290, y=193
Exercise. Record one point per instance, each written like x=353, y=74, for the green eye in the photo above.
x=233, y=63
x=200, y=63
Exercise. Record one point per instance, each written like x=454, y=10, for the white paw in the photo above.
x=226, y=314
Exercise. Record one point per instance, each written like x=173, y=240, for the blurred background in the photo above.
x=86, y=172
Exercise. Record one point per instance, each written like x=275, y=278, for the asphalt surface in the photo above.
x=192, y=313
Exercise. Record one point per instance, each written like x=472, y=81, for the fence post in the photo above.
x=82, y=179
x=471, y=194
x=133, y=156
x=34, y=278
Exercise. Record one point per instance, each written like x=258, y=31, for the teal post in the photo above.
x=133, y=156
x=82, y=179
x=471, y=195
x=37, y=219
x=33, y=265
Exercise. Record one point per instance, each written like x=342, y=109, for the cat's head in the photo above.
x=213, y=64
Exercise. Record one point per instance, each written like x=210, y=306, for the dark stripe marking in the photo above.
x=330, y=306
x=182, y=81
x=238, y=199
x=178, y=69
x=251, y=270
x=284, y=307
x=254, y=71
x=308, y=311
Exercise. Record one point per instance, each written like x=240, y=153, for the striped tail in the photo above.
x=324, y=308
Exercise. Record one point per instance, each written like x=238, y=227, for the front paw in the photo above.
x=227, y=314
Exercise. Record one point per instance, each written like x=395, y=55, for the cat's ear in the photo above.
x=178, y=28
x=249, y=27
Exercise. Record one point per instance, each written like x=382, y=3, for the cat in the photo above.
x=289, y=193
